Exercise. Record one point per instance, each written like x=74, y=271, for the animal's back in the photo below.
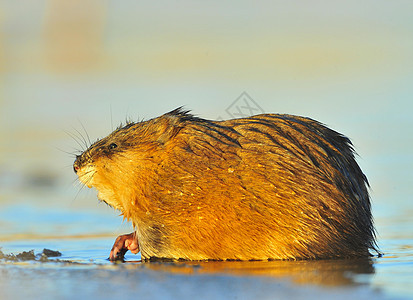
x=264, y=187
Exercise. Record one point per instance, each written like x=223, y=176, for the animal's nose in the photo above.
x=76, y=164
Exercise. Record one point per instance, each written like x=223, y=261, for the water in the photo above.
x=180, y=280
x=70, y=65
x=171, y=281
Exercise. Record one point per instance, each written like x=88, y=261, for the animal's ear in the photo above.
x=166, y=127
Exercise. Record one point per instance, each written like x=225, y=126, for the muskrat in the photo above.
x=270, y=186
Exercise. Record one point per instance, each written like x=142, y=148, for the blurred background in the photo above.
x=79, y=68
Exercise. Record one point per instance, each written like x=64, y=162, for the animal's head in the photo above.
x=114, y=164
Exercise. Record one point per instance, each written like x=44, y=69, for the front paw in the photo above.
x=122, y=244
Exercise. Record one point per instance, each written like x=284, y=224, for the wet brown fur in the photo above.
x=264, y=187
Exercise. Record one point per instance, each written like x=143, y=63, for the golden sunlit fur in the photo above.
x=264, y=187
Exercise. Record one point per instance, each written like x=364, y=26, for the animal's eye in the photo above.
x=113, y=146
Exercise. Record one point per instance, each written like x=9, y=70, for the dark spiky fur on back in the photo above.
x=264, y=187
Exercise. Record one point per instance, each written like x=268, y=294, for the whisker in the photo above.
x=86, y=174
x=74, y=154
x=76, y=139
x=111, y=117
x=77, y=182
x=68, y=167
x=87, y=135
x=82, y=138
x=82, y=185
x=90, y=179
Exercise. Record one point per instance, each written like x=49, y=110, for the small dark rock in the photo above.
x=26, y=255
x=51, y=253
